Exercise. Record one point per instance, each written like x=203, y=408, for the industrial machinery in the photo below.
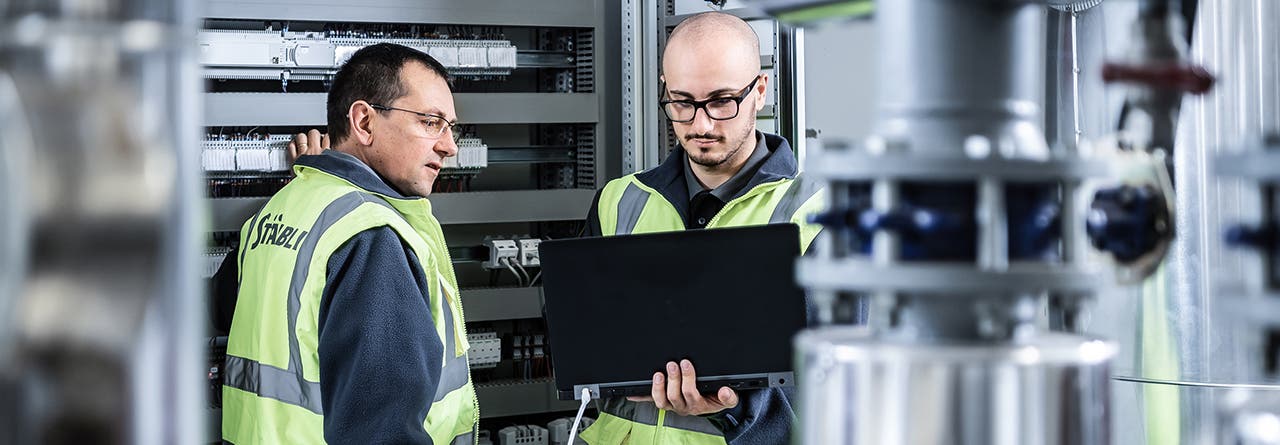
x=957, y=220
x=979, y=236
x=99, y=294
x=964, y=227
x=1237, y=134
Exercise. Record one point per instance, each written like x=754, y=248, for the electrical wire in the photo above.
x=528, y=281
x=573, y=430
x=524, y=273
x=519, y=278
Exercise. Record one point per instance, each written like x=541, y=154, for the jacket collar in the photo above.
x=668, y=177
x=348, y=168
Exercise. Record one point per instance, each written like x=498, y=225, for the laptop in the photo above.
x=619, y=308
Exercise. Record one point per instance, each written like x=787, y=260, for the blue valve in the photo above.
x=1244, y=236
x=933, y=222
x=835, y=219
x=909, y=220
x=1128, y=221
x=1034, y=221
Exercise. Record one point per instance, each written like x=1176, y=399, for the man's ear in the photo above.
x=360, y=122
x=761, y=87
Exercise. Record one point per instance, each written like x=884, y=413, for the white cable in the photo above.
x=523, y=273
x=528, y=281
x=519, y=278
x=573, y=430
x=535, y=278
x=513, y=272
x=520, y=269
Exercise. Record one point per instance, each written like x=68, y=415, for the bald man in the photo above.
x=724, y=173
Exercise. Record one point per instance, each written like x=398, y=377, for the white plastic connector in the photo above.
x=529, y=252
x=501, y=252
x=558, y=430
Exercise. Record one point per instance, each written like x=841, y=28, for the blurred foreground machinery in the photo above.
x=960, y=223
x=99, y=303
x=1237, y=133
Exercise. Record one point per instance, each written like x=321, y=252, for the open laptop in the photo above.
x=619, y=308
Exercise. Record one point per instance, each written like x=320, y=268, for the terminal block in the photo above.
x=238, y=54
x=473, y=154
x=558, y=430
x=523, y=435
x=246, y=153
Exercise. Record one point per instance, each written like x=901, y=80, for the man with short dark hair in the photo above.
x=724, y=173
x=348, y=327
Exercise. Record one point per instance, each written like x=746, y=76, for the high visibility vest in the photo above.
x=628, y=206
x=271, y=391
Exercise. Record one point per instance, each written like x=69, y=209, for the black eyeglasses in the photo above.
x=718, y=108
x=435, y=124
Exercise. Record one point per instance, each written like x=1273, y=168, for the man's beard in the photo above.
x=696, y=156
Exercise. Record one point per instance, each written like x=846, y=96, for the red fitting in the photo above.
x=1179, y=77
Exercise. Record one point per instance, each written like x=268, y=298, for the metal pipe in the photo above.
x=1158, y=8
x=940, y=95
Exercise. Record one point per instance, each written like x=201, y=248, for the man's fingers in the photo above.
x=674, y=383
x=728, y=398
x=689, y=382
x=314, y=144
x=659, y=391
x=324, y=141
x=293, y=151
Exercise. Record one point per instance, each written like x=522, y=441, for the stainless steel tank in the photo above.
x=1048, y=390
x=1189, y=348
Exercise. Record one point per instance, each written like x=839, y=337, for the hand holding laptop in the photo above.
x=678, y=391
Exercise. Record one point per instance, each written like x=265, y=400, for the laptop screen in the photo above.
x=619, y=308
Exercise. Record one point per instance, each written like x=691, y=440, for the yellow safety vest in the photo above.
x=628, y=206
x=271, y=391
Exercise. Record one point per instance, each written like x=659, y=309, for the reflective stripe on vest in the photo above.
x=454, y=374
x=629, y=209
x=802, y=188
x=633, y=201
x=647, y=413
x=637, y=209
x=288, y=385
